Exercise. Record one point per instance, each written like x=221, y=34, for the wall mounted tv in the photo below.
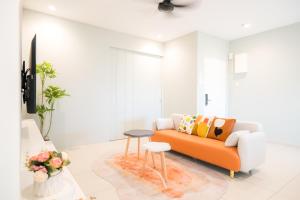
x=29, y=80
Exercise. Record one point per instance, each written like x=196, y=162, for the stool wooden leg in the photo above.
x=152, y=155
x=153, y=160
x=145, y=159
x=127, y=146
x=163, y=165
x=139, y=144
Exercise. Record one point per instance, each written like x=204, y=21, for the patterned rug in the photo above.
x=187, y=179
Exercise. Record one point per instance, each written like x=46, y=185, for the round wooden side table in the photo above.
x=136, y=134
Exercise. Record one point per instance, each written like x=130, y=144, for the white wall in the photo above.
x=10, y=99
x=137, y=102
x=81, y=54
x=180, y=75
x=209, y=47
x=183, y=71
x=270, y=92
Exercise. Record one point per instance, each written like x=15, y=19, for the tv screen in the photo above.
x=29, y=80
x=31, y=102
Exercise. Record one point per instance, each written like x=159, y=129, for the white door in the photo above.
x=137, y=91
x=215, y=87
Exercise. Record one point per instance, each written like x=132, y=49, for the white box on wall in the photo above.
x=241, y=63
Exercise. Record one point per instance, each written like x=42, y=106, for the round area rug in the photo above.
x=187, y=179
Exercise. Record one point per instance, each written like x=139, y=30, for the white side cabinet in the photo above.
x=32, y=143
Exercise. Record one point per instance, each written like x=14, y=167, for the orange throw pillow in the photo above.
x=221, y=128
x=194, y=132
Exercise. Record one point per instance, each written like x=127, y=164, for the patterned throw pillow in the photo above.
x=204, y=125
x=187, y=124
x=221, y=128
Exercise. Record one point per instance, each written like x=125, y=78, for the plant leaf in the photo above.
x=42, y=110
x=45, y=70
x=53, y=93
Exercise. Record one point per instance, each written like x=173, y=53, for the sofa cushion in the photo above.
x=164, y=124
x=221, y=128
x=233, y=138
x=187, y=124
x=206, y=149
x=199, y=117
x=176, y=119
x=203, y=126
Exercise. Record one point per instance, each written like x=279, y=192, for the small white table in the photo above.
x=161, y=148
x=137, y=134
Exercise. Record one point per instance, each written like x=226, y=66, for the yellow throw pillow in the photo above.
x=221, y=128
x=203, y=126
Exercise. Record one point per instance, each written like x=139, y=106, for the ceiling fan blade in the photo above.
x=190, y=4
x=149, y=2
x=182, y=6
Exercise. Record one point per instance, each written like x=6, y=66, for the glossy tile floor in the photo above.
x=277, y=179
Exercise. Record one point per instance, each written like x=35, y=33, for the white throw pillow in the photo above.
x=233, y=138
x=164, y=124
x=177, y=119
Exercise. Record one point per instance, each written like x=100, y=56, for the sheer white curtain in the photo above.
x=137, y=88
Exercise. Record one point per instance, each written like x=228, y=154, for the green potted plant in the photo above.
x=49, y=96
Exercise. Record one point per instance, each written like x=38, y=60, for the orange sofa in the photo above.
x=245, y=157
x=206, y=149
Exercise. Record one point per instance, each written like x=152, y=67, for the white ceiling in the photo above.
x=222, y=18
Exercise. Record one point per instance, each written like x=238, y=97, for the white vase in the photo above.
x=50, y=187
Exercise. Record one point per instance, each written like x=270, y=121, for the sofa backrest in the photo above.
x=247, y=125
x=239, y=125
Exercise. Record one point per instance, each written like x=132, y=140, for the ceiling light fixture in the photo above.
x=52, y=8
x=246, y=25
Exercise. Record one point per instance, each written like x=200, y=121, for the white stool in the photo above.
x=158, y=147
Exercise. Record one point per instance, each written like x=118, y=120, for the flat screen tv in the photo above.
x=29, y=80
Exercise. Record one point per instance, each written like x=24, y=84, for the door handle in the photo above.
x=206, y=100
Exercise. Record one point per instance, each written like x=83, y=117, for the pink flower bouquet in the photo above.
x=47, y=164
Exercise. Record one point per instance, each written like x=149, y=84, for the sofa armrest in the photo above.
x=154, y=127
x=252, y=150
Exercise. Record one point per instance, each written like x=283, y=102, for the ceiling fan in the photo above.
x=169, y=5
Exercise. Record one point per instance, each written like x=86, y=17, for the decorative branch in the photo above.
x=49, y=95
